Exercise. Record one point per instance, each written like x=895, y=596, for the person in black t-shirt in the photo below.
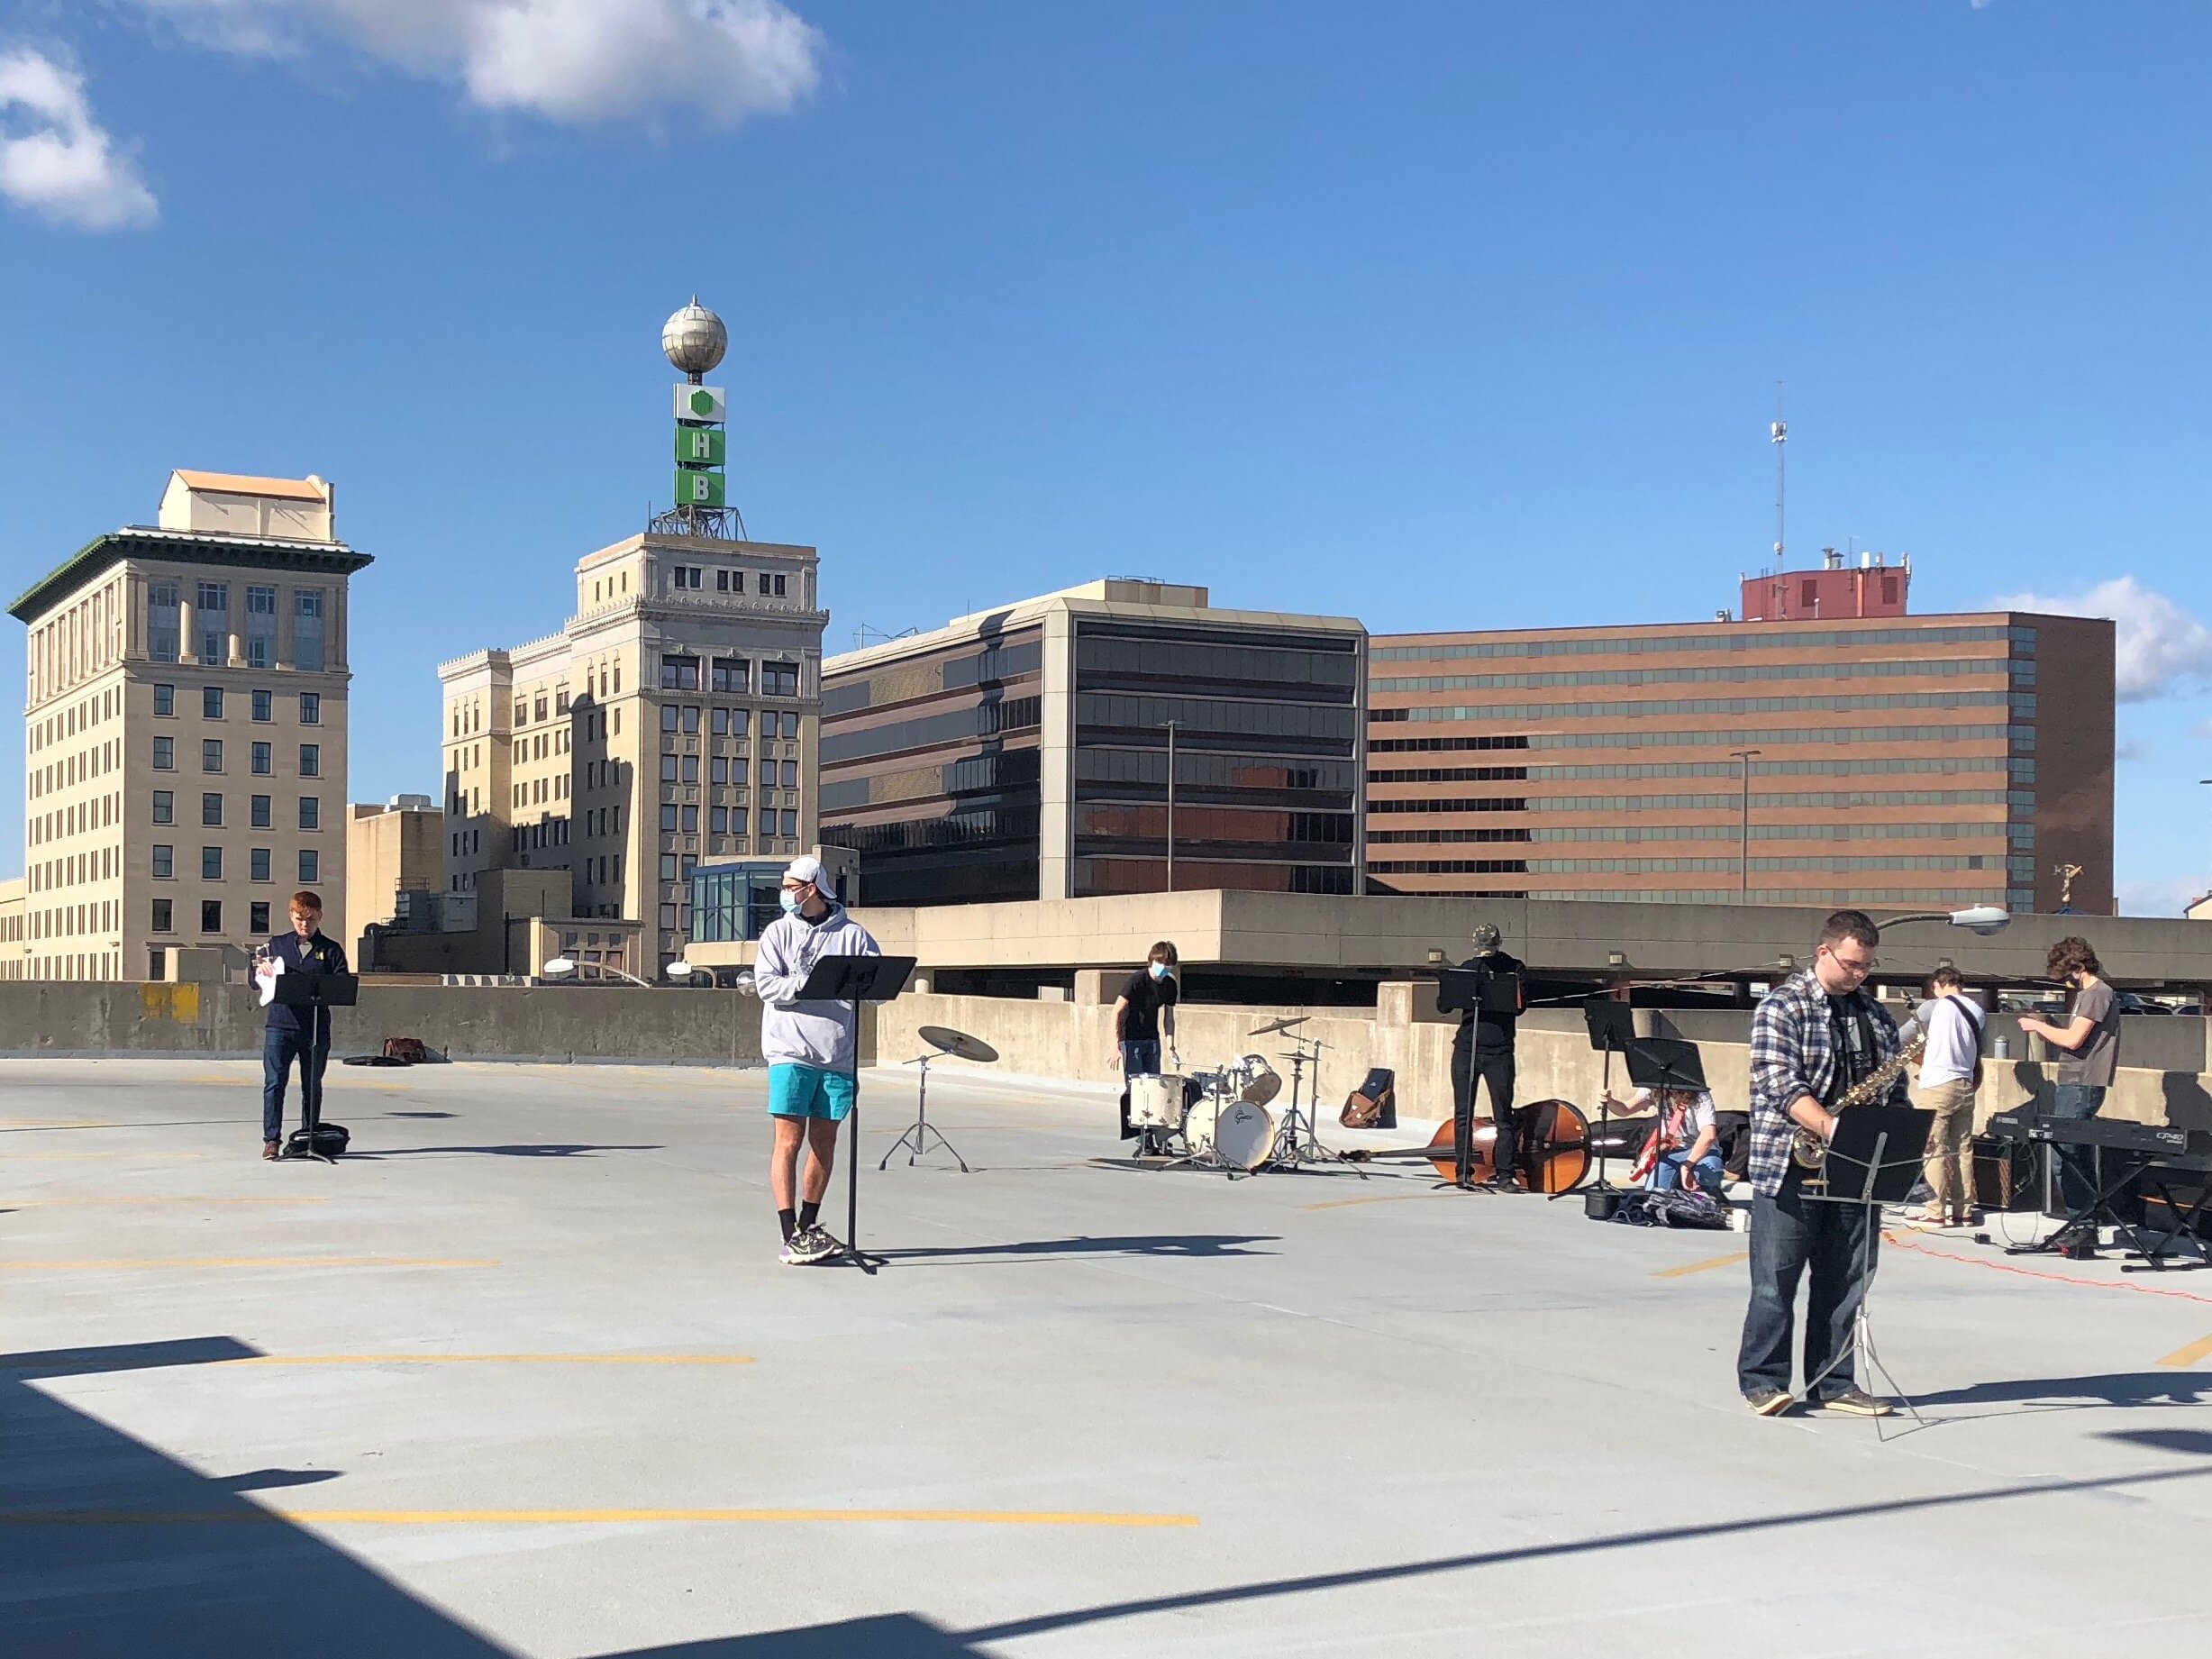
x=1483, y=1049
x=1143, y=1013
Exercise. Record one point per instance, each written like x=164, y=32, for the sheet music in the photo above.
x=265, y=973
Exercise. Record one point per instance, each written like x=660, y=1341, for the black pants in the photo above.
x=1494, y=1067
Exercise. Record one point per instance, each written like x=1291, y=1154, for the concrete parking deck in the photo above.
x=523, y=1376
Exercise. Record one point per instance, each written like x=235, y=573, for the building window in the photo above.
x=691, y=719
x=210, y=863
x=165, y=700
x=733, y=674
x=522, y=713
x=722, y=581
x=737, y=820
x=740, y=722
x=668, y=768
x=261, y=813
x=561, y=702
x=211, y=915
x=671, y=715
x=718, y=821
x=691, y=769
x=213, y=615
x=165, y=754
x=667, y=866
x=668, y=820
x=163, y=912
x=691, y=820
x=161, y=622
x=311, y=760
x=680, y=673
x=263, y=760
x=310, y=865
x=790, y=823
x=790, y=774
x=668, y=918
x=256, y=916
x=260, y=627
x=211, y=810
x=779, y=679
x=164, y=806
x=310, y=812
x=211, y=754
x=265, y=705
x=164, y=862
x=790, y=727
x=311, y=708
x=768, y=774
x=307, y=631
x=258, y=864
x=718, y=771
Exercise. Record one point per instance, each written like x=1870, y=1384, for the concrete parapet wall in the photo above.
x=463, y=1023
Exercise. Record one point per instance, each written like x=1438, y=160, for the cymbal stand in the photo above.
x=1297, y=1139
x=919, y=1130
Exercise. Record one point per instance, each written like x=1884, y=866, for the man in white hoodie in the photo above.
x=809, y=1047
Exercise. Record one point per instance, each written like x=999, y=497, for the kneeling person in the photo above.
x=809, y=1047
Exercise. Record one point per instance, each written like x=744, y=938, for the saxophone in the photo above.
x=1807, y=1151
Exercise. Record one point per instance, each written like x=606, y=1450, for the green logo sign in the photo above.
x=702, y=446
x=698, y=489
x=703, y=404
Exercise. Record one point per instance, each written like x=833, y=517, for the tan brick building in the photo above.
x=185, y=740
x=1901, y=761
x=672, y=719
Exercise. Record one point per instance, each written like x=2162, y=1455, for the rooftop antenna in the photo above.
x=1779, y=436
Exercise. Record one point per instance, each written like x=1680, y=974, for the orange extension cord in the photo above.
x=1894, y=1240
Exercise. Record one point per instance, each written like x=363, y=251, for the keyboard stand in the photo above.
x=2155, y=1179
x=2095, y=1214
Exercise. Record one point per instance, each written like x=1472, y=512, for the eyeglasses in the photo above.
x=1868, y=966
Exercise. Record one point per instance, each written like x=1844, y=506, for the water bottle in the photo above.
x=2001, y=1049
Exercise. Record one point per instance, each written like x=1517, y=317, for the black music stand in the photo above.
x=1612, y=1027
x=318, y=993
x=855, y=979
x=1874, y=1160
x=1475, y=990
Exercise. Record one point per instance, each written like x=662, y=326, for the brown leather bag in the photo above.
x=1373, y=1104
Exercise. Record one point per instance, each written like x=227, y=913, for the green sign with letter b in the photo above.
x=698, y=489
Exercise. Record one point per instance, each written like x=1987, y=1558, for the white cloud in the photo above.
x=2160, y=648
x=579, y=61
x=2130, y=748
x=2167, y=896
x=55, y=159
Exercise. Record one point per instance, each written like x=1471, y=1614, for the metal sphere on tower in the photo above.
x=695, y=339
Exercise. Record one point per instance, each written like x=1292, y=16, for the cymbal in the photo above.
x=1280, y=1024
x=958, y=1043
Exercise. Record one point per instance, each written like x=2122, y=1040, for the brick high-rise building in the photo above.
x=1900, y=761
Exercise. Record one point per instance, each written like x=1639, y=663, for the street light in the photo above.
x=561, y=967
x=1743, y=864
x=1983, y=919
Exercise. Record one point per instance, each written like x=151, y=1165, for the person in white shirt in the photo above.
x=1950, y=1069
x=1685, y=1147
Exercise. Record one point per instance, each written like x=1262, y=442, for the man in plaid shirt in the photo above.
x=1813, y=1037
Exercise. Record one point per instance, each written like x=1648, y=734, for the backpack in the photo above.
x=1373, y=1104
x=331, y=1141
x=407, y=1051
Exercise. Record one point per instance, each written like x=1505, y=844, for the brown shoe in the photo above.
x=268, y=1152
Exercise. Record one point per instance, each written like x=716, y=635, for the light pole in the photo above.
x=1171, y=726
x=561, y=967
x=1743, y=863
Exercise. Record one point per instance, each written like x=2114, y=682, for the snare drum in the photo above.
x=1156, y=1102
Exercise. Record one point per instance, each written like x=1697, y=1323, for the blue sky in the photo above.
x=1439, y=315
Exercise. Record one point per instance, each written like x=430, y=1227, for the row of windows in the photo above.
x=262, y=757
x=1199, y=769
x=686, y=717
x=79, y=717
x=685, y=769
x=681, y=672
x=163, y=918
x=260, y=862
x=929, y=731
x=1836, y=862
x=258, y=809
x=1843, y=830
x=2023, y=737
x=1216, y=716
x=1937, y=668
x=2022, y=770
x=1710, y=705
x=211, y=624
x=2020, y=903
x=215, y=699
x=726, y=820
x=692, y=578
x=1846, y=799
x=65, y=921
x=96, y=760
x=2022, y=640
x=94, y=864
x=995, y=664
x=1301, y=671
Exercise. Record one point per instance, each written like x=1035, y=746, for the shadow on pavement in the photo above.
x=1138, y=1245
x=2126, y=1388
x=894, y=1636
x=550, y=1149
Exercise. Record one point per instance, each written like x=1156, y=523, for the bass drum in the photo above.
x=1237, y=1132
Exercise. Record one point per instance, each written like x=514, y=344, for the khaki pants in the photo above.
x=1950, y=1162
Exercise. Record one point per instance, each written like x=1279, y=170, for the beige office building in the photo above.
x=185, y=741
x=390, y=849
x=672, y=719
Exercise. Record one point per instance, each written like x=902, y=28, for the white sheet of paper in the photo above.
x=268, y=978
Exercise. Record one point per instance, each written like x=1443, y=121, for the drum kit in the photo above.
x=1215, y=1120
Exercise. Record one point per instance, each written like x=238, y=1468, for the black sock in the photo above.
x=807, y=1214
x=784, y=1219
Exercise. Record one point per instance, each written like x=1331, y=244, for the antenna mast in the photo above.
x=1779, y=436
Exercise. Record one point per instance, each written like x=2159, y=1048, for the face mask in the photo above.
x=790, y=902
x=1160, y=971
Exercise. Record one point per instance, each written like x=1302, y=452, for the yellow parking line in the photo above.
x=575, y=1517
x=2189, y=1355
x=1688, y=1268
x=198, y=1261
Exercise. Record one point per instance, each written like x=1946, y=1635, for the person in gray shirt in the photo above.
x=2089, y=1046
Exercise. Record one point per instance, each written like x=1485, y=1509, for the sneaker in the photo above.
x=1768, y=1402
x=810, y=1244
x=1855, y=1402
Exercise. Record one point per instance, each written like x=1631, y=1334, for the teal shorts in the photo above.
x=809, y=1092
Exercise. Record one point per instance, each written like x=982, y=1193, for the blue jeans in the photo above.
x=279, y=1048
x=1789, y=1233
x=2076, y=1164
x=1704, y=1174
x=1140, y=1059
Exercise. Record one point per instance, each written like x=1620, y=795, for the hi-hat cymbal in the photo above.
x=958, y=1043
x=1281, y=1024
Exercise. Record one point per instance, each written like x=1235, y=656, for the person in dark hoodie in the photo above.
x=809, y=1050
